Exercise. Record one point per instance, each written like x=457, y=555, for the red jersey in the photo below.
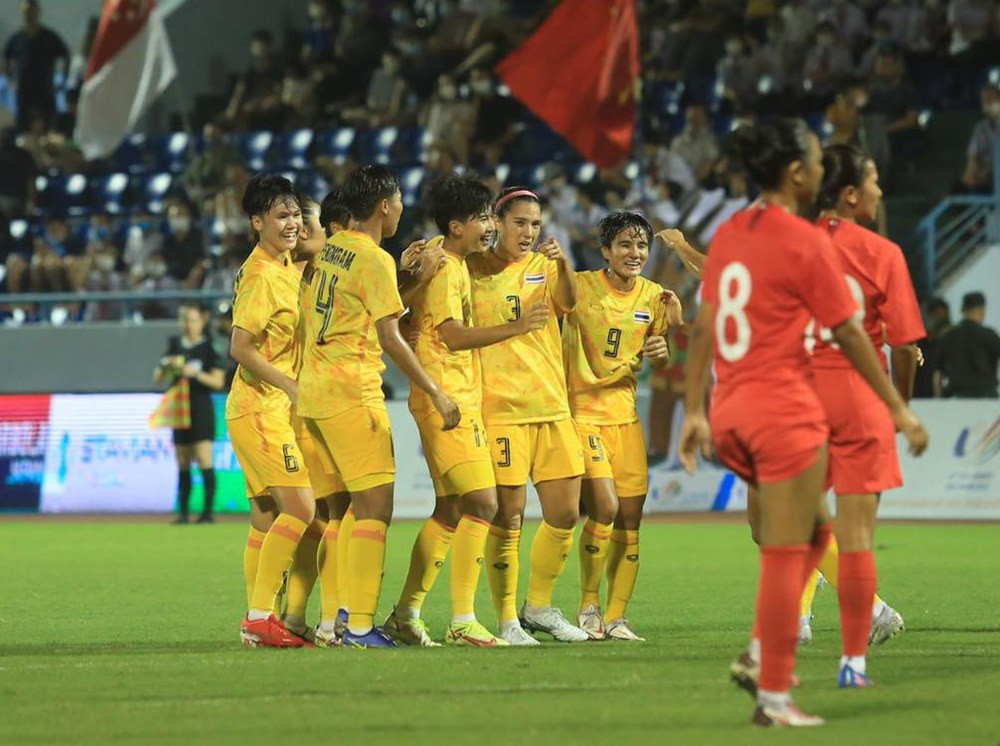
x=769, y=273
x=879, y=280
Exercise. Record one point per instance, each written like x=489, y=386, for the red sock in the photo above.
x=820, y=541
x=781, y=570
x=856, y=591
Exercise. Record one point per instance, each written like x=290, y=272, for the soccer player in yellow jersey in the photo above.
x=620, y=320
x=259, y=406
x=459, y=459
x=351, y=311
x=527, y=415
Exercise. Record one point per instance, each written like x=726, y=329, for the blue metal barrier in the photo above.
x=959, y=225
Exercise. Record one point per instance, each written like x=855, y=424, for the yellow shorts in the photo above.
x=358, y=443
x=268, y=452
x=323, y=474
x=616, y=452
x=545, y=450
x=458, y=459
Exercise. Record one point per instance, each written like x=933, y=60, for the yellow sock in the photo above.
x=623, y=568
x=302, y=575
x=594, y=540
x=251, y=558
x=344, y=560
x=367, y=561
x=808, y=594
x=502, y=567
x=276, y=554
x=549, y=551
x=830, y=566
x=426, y=559
x=467, y=552
x=327, y=566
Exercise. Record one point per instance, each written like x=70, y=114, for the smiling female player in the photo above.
x=767, y=274
x=260, y=403
x=527, y=416
x=620, y=319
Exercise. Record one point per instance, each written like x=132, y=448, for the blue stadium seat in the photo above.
x=292, y=148
x=110, y=193
x=336, y=143
x=502, y=173
x=376, y=145
x=255, y=147
x=412, y=145
x=313, y=184
x=173, y=151
x=76, y=195
x=61, y=195
x=410, y=181
x=156, y=189
x=21, y=236
x=132, y=155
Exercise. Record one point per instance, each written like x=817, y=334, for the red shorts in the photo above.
x=863, y=457
x=768, y=435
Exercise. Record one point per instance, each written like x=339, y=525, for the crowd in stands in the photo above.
x=412, y=84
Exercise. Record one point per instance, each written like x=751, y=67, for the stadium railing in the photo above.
x=128, y=301
x=958, y=226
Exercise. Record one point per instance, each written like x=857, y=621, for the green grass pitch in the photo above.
x=128, y=633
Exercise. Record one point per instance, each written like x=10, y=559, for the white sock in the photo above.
x=256, y=615
x=878, y=609
x=463, y=618
x=328, y=627
x=408, y=613
x=754, y=648
x=506, y=626
x=773, y=700
x=359, y=632
x=856, y=662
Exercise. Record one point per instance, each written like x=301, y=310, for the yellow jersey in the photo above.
x=447, y=296
x=266, y=304
x=602, y=343
x=352, y=287
x=523, y=379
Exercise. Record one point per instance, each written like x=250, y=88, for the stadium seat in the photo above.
x=61, y=195
x=132, y=155
x=314, y=184
x=109, y=193
x=410, y=181
x=255, y=147
x=412, y=145
x=292, y=148
x=377, y=144
x=20, y=236
x=336, y=143
x=157, y=187
x=174, y=151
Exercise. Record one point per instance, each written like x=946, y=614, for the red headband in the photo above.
x=515, y=195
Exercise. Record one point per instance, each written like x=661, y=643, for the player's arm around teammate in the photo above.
x=459, y=459
x=527, y=415
x=620, y=319
x=258, y=410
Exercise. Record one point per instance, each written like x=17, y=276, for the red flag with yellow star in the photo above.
x=579, y=73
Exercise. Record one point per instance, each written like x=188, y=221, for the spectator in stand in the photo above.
x=229, y=215
x=496, y=118
x=155, y=278
x=899, y=16
x=827, y=64
x=298, y=98
x=142, y=240
x=47, y=273
x=851, y=23
x=17, y=177
x=979, y=163
x=34, y=55
x=929, y=32
x=880, y=41
x=205, y=173
x=386, y=98
x=893, y=100
x=256, y=100
x=800, y=20
x=735, y=73
x=320, y=37
x=81, y=58
x=184, y=246
x=697, y=144
x=223, y=277
x=967, y=356
x=972, y=25
x=770, y=61
x=938, y=324
x=450, y=119
x=50, y=149
x=101, y=275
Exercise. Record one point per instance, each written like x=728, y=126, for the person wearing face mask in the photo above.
x=880, y=38
x=184, y=246
x=190, y=356
x=100, y=275
x=449, y=119
x=979, y=165
x=256, y=100
x=495, y=117
x=736, y=74
x=851, y=22
x=155, y=278
x=205, y=174
x=386, y=94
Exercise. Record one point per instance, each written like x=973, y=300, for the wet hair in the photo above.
x=613, y=224
x=264, y=191
x=765, y=149
x=334, y=210
x=365, y=187
x=843, y=166
x=512, y=195
x=454, y=197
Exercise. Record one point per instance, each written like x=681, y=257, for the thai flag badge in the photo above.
x=534, y=279
x=643, y=317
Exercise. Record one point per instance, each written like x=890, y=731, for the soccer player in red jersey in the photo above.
x=863, y=458
x=767, y=275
